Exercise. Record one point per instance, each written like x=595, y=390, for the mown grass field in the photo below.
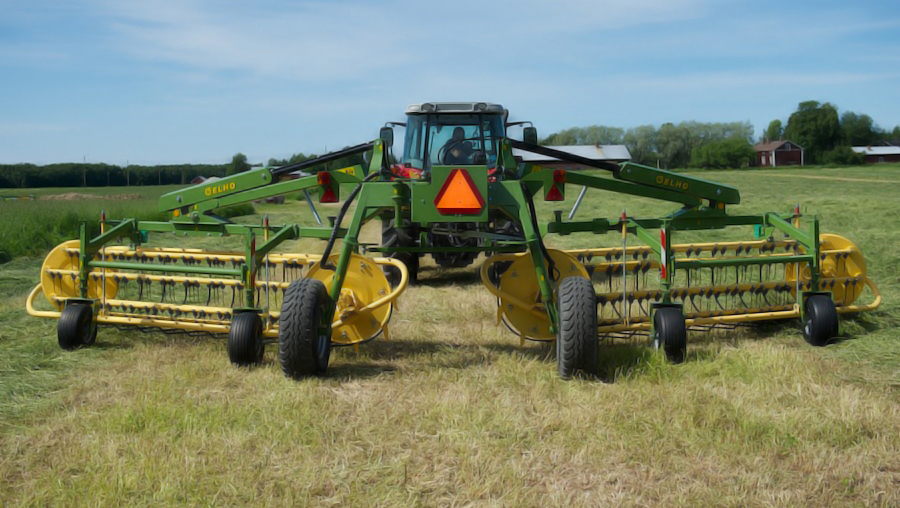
x=453, y=412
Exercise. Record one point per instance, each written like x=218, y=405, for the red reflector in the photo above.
x=554, y=194
x=559, y=176
x=459, y=195
x=328, y=196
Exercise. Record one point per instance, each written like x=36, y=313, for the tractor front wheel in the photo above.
x=411, y=260
x=76, y=327
x=245, y=342
x=821, y=324
x=304, y=340
x=670, y=333
x=576, y=336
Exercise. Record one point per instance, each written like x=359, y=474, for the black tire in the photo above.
x=245, y=341
x=670, y=333
x=92, y=338
x=76, y=327
x=411, y=260
x=821, y=325
x=403, y=237
x=303, y=349
x=496, y=270
x=576, y=337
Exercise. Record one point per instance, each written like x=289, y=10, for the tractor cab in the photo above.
x=451, y=134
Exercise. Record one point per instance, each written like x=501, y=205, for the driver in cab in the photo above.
x=457, y=150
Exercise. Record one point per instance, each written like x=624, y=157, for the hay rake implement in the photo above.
x=459, y=191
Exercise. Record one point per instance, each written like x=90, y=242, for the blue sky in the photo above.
x=177, y=81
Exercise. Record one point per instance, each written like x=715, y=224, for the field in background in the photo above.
x=30, y=227
x=453, y=412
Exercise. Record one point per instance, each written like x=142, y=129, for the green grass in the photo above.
x=30, y=228
x=452, y=411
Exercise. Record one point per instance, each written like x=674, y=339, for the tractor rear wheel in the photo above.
x=76, y=327
x=400, y=237
x=245, y=342
x=304, y=341
x=821, y=324
x=670, y=333
x=576, y=336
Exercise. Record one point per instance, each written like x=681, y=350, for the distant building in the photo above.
x=876, y=154
x=201, y=179
x=606, y=153
x=779, y=153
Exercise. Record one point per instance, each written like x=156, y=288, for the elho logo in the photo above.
x=209, y=191
x=671, y=182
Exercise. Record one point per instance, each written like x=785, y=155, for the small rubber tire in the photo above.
x=245, y=341
x=577, y=344
x=821, y=325
x=76, y=327
x=670, y=333
x=92, y=338
x=303, y=349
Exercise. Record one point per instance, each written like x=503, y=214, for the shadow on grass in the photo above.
x=442, y=277
x=617, y=360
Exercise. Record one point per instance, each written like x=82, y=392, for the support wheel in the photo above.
x=576, y=338
x=76, y=327
x=670, y=333
x=821, y=325
x=245, y=341
x=304, y=341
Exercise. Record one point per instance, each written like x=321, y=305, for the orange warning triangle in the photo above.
x=459, y=195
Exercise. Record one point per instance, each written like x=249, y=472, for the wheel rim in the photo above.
x=84, y=328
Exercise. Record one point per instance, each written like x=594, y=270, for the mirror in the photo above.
x=387, y=136
x=529, y=135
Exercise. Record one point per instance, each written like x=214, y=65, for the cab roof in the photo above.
x=453, y=107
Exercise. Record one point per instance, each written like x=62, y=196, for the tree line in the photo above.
x=76, y=174
x=826, y=137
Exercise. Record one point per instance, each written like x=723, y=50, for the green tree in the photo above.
x=641, y=142
x=844, y=156
x=734, y=152
x=592, y=135
x=238, y=164
x=859, y=130
x=816, y=128
x=674, y=145
x=775, y=131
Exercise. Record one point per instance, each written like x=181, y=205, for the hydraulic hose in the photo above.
x=551, y=266
x=340, y=217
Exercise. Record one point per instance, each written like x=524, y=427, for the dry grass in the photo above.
x=452, y=412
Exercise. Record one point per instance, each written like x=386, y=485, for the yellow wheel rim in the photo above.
x=846, y=264
x=520, y=281
x=58, y=285
x=364, y=284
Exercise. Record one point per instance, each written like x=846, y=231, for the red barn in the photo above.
x=876, y=154
x=779, y=153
